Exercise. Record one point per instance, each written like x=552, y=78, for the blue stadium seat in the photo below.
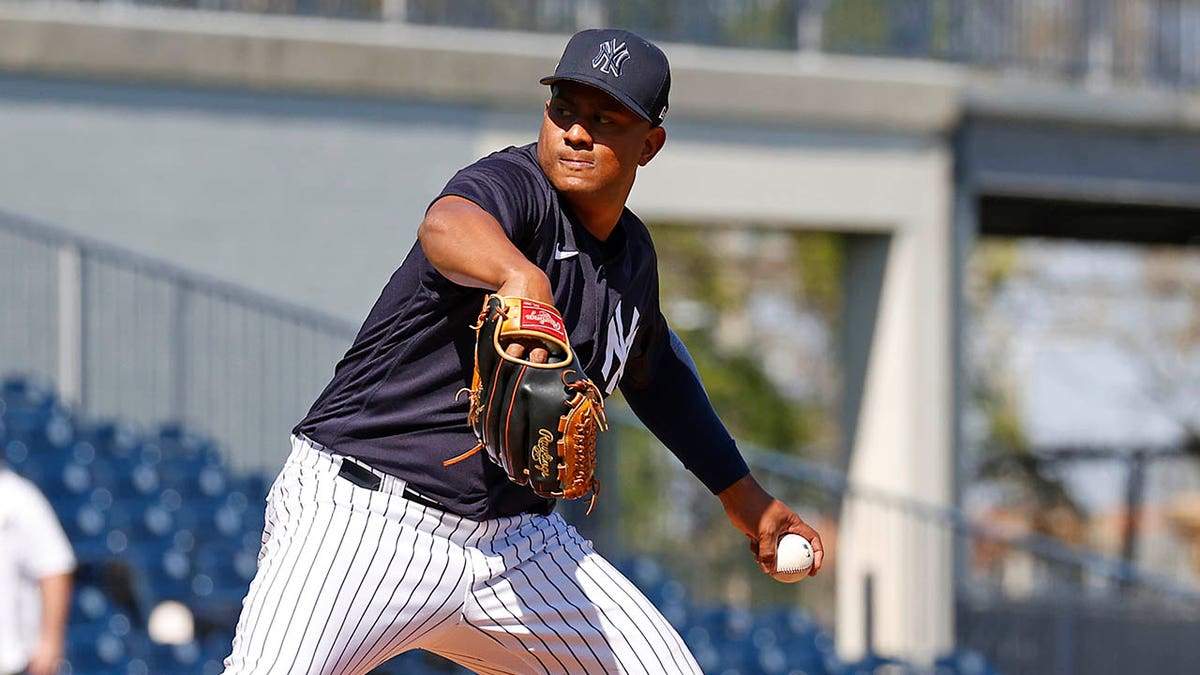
x=726, y=624
x=700, y=643
x=27, y=404
x=89, y=604
x=254, y=486
x=872, y=661
x=220, y=519
x=217, y=645
x=62, y=479
x=197, y=515
x=227, y=559
x=163, y=658
x=125, y=476
x=192, y=476
x=178, y=442
x=217, y=602
x=164, y=573
x=964, y=662
x=86, y=525
x=95, y=646
x=739, y=656
x=111, y=439
x=141, y=519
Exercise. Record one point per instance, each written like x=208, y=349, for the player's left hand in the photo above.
x=535, y=349
x=764, y=519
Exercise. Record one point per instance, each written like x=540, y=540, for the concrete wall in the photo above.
x=312, y=193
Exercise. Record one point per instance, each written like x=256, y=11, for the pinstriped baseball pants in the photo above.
x=349, y=577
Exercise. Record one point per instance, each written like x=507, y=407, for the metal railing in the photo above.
x=123, y=336
x=1028, y=602
x=1100, y=42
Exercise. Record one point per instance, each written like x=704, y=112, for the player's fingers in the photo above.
x=515, y=350
x=766, y=552
x=539, y=355
x=754, y=551
x=818, y=553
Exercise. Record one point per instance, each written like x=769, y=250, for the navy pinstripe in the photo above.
x=478, y=593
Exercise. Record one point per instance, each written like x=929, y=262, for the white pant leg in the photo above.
x=545, y=602
x=347, y=577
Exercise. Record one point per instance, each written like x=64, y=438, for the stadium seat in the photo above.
x=97, y=646
x=89, y=604
x=163, y=572
x=255, y=487
x=141, y=519
x=61, y=479
x=217, y=645
x=964, y=662
x=85, y=523
x=111, y=439
x=126, y=476
x=227, y=559
x=176, y=442
x=163, y=658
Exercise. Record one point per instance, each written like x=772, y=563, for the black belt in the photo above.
x=365, y=478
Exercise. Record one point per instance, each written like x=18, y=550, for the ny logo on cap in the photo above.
x=610, y=57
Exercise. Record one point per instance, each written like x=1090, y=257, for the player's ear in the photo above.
x=653, y=143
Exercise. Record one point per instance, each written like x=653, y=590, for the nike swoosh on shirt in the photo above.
x=560, y=254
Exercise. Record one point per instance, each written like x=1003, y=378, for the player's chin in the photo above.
x=573, y=183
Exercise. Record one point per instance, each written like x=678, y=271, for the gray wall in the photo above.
x=314, y=200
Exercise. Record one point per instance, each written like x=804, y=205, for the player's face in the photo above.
x=591, y=144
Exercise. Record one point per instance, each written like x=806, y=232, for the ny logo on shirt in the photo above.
x=620, y=341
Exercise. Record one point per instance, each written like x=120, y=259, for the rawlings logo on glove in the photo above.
x=537, y=421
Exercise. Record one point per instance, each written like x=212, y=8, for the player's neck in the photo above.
x=598, y=216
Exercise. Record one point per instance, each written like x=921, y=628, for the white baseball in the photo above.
x=793, y=558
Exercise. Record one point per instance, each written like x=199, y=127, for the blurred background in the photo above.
x=938, y=262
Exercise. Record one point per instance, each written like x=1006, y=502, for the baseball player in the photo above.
x=376, y=540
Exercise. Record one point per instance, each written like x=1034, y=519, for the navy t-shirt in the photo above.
x=392, y=402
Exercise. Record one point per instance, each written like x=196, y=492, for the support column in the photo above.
x=899, y=432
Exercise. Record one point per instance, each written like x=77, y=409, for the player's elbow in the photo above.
x=436, y=235
x=431, y=230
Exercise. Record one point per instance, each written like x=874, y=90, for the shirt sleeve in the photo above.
x=507, y=191
x=663, y=388
x=48, y=552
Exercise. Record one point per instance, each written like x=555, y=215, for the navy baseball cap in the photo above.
x=624, y=65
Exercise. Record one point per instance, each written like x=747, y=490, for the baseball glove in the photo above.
x=537, y=421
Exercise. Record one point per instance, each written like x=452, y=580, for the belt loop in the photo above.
x=359, y=475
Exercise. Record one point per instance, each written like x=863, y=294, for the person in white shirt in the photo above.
x=36, y=563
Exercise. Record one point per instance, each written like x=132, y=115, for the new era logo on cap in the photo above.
x=624, y=65
x=610, y=57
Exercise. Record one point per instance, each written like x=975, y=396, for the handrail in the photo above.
x=953, y=518
x=31, y=228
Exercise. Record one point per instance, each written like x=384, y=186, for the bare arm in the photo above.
x=763, y=519
x=468, y=246
x=56, y=600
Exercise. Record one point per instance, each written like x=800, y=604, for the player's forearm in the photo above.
x=467, y=246
x=675, y=408
x=56, y=602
